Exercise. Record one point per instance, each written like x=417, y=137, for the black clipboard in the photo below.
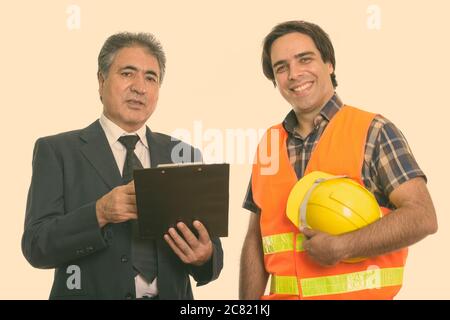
x=182, y=192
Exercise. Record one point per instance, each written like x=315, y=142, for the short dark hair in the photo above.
x=320, y=38
x=127, y=39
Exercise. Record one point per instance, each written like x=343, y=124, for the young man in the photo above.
x=323, y=134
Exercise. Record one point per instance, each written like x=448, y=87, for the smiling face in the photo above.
x=130, y=90
x=301, y=76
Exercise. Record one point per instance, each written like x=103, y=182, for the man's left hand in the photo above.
x=322, y=247
x=189, y=248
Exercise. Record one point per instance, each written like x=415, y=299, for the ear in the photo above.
x=330, y=68
x=101, y=82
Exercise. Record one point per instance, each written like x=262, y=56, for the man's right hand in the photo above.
x=119, y=205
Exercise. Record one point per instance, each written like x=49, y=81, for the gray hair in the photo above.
x=125, y=40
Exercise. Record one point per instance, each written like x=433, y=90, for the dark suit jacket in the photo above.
x=71, y=171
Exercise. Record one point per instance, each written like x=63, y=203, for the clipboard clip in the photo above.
x=169, y=165
x=175, y=165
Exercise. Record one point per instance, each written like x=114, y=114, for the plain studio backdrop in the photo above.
x=391, y=59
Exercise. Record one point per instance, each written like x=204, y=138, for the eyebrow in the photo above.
x=148, y=72
x=297, y=56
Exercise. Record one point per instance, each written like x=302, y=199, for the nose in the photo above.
x=295, y=70
x=138, y=85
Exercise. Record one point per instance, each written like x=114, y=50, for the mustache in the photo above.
x=136, y=99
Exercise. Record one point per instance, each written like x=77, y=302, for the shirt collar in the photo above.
x=327, y=112
x=113, y=132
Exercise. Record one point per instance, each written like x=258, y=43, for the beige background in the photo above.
x=48, y=85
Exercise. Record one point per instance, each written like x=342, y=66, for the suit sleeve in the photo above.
x=53, y=237
x=210, y=270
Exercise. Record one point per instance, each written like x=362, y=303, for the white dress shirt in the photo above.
x=113, y=132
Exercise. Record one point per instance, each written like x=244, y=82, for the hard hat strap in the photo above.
x=304, y=204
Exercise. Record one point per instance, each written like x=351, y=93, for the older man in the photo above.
x=81, y=210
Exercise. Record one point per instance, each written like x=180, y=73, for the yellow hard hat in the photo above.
x=331, y=204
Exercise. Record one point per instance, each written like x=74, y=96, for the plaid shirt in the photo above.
x=388, y=160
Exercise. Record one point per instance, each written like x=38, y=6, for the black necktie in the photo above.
x=144, y=254
x=131, y=161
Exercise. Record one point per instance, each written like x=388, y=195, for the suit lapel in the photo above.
x=98, y=152
x=159, y=150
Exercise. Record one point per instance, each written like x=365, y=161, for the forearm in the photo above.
x=401, y=228
x=253, y=276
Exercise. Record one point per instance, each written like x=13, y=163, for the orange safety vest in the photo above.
x=294, y=275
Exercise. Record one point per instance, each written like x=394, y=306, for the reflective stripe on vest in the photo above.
x=299, y=242
x=370, y=279
x=284, y=285
x=282, y=242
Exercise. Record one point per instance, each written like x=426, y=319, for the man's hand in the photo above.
x=119, y=205
x=191, y=250
x=322, y=247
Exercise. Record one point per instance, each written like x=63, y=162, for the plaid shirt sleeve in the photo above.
x=249, y=203
x=391, y=160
